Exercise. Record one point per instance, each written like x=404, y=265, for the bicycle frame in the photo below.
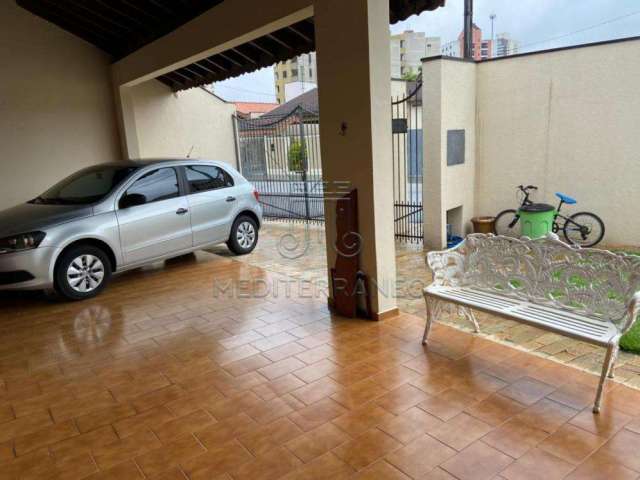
x=556, y=227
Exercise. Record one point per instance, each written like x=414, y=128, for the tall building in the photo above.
x=301, y=69
x=480, y=49
x=408, y=49
x=505, y=45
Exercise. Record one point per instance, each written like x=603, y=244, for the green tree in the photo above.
x=297, y=156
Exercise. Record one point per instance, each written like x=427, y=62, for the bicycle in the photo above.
x=585, y=229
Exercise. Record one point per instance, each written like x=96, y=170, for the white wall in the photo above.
x=171, y=124
x=449, y=103
x=566, y=121
x=56, y=105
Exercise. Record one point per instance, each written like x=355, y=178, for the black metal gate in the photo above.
x=280, y=155
x=406, y=121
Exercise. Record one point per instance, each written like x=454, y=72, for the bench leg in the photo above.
x=432, y=310
x=606, y=368
x=613, y=361
x=468, y=313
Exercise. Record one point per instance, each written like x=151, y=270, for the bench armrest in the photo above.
x=448, y=266
x=634, y=311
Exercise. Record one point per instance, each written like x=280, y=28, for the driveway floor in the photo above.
x=211, y=368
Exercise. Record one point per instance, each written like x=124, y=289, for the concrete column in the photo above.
x=127, y=123
x=449, y=104
x=352, y=40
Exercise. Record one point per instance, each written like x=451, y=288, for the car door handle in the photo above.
x=181, y=211
x=231, y=199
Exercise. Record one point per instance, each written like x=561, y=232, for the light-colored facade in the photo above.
x=505, y=45
x=562, y=120
x=408, y=49
x=301, y=69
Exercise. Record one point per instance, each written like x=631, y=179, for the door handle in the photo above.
x=181, y=211
x=231, y=199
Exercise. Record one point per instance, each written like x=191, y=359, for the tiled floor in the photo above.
x=301, y=254
x=201, y=370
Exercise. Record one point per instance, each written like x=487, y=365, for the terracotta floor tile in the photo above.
x=315, y=371
x=143, y=421
x=226, y=430
x=460, y=431
x=537, y=465
x=447, y=404
x=272, y=465
x=401, y=398
x=326, y=467
x=194, y=421
x=354, y=373
x=170, y=455
x=366, y=448
x=527, y=391
x=604, y=424
x=81, y=406
x=571, y=443
x=280, y=386
x=478, y=461
x=381, y=470
x=363, y=418
x=601, y=467
x=284, y=351
x=216, y=461
x=316, y=414
x=547, y=415
x=261, y=439
x=148, y=383
x=84, y=443
x=317, y=442
x=439, y=474
x=574, y=395
x=410, y=425
x=495, y=409
x=111, y=454
x=271, y=410
x=622, y=449
x=127, y=470
x=316, y=390
x=24, y=425
x=515, y=437
x=479, y=385
x=316, y=354
x=247, y=365
x=281, y=367
x=105, y=416
x=46, y=436
x=157, y=398
x=229, y=407
x=395, y=376
x=420, y=456
x=359, y=393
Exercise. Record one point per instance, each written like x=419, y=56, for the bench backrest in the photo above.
x=597, y=283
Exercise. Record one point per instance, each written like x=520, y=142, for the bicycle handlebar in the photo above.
x=528, y=187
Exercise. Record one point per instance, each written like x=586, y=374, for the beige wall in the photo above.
x=171, y=124
x=56, y=105
x=566, y=121
x=449, y=103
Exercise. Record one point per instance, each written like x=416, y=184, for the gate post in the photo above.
x=305, y=164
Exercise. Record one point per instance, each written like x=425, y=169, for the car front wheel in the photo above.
x=82, y=272
x=244, y=235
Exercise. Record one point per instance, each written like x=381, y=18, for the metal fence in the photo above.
x=406, y=122
x=280, y=155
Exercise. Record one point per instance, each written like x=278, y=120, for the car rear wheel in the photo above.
x=244, y=235
x=82, y=272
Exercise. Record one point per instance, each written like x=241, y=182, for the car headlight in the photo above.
x=24, y=241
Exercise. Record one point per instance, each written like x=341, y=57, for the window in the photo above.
x=155, y=186
x=284, y=74
x=401, y=43
x=311, y=72
x=202, y=178
x=86, y=186
x=294, y=72
x=276, y=75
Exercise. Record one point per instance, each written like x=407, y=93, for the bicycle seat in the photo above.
x=566, y=199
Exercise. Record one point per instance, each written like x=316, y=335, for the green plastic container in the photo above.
x=536, y=220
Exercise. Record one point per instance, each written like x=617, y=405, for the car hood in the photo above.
x=30, y=217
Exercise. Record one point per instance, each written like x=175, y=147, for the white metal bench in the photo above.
x=587, y=294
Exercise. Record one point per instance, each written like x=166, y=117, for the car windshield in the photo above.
x=87, y=186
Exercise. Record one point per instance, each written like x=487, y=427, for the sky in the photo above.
x=536, y=24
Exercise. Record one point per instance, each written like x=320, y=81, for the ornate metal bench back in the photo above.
x=596, y=283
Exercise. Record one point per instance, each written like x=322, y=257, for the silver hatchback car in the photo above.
x=114, y=217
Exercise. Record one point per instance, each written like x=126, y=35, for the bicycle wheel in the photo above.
x=584, y=229
x=507, y=223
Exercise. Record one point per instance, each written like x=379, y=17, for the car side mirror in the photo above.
x=132, y=200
